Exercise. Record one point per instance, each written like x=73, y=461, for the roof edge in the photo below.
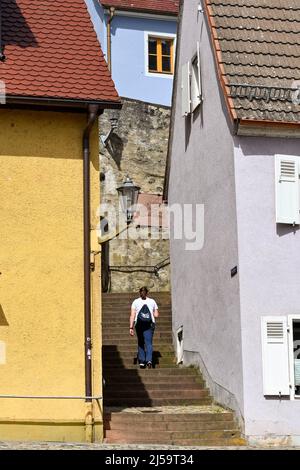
x=257, y=128
x=59, y=102
x=139, y=10
x=220, y=69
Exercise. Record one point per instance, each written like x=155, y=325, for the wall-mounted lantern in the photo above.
x=128, y=194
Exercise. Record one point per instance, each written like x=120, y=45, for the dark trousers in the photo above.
x=145, y=337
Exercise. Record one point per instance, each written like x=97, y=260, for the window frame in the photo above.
x=291, y=319
x=196, y=82
x=162, y=36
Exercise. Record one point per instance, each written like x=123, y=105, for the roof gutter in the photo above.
x=60, y=102
x=258, y=128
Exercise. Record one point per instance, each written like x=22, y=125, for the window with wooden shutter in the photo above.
x=186, y=89
x=196, y=89
x=275, y=356
x=287, y=190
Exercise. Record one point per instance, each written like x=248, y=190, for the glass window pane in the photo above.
x=152, y=62
x=166, y=64
x=152, y=46
x=166, y=47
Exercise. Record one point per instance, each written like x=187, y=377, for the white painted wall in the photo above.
x=269, y=276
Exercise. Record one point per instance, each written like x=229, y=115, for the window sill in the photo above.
x=159, y=75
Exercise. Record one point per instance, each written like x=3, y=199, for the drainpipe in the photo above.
x=108, y=30
x=92, y=116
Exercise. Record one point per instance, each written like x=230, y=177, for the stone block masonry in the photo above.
x=138, y=148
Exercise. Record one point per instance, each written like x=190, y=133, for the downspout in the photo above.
x=92, y=116
x=108, y=31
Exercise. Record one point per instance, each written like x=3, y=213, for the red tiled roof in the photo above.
x=170, y=7
x=52, y=51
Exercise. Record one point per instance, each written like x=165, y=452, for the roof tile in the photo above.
x=52, y=51
x=170, y=7
x=260, y=51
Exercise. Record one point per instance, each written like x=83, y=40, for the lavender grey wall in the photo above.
x=205, y=297
x=269, y=275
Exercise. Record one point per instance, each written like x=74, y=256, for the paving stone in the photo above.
x=76, y=446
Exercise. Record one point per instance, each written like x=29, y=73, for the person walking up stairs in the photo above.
x=165, y=404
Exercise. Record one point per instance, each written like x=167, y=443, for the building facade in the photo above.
x=235, y=131
x=139, y=41
x=50, y=307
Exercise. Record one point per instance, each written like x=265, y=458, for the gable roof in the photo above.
x=257, y=50
x=52, y=52
x=169, y=7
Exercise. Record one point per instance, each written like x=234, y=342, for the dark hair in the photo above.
x=144, y=289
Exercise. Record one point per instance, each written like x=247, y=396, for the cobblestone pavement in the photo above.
x=105, y=447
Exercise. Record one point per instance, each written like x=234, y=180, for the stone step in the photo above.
x=148, y=402
x=189, y=426
x=125, y=326
x=127, y=306
x=109, y=329
x=152, y=387
x=156, y=416
x=132, y=296
x=232, y=442
x=129, y=363
x=161, y=302
x=166, y=372
x=127, y=355
x=119, y=346
x=172, y=436
x=107, y=317
x=125, y=335
x=155, y=381
x=131, y=343
x=107, y=347
x=156, y=394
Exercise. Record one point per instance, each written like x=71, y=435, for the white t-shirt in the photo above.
x=138, y=304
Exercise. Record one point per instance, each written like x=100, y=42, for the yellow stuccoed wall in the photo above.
x=41, y=281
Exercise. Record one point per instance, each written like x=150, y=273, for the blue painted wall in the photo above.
x=128, y=55
x=97, y=15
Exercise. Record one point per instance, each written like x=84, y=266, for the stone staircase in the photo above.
x=164, y=405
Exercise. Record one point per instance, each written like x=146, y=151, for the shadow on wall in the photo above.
x=283, y=229
x=115, y=149
x=15, y=30
x=266, y=146
x=3, y=320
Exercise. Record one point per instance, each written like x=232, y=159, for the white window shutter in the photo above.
x=275, y=356
x=186, y=89
x=196, y=89
x=199, y=72
x=287, y=190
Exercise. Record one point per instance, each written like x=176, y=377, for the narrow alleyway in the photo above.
x=165, y=405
